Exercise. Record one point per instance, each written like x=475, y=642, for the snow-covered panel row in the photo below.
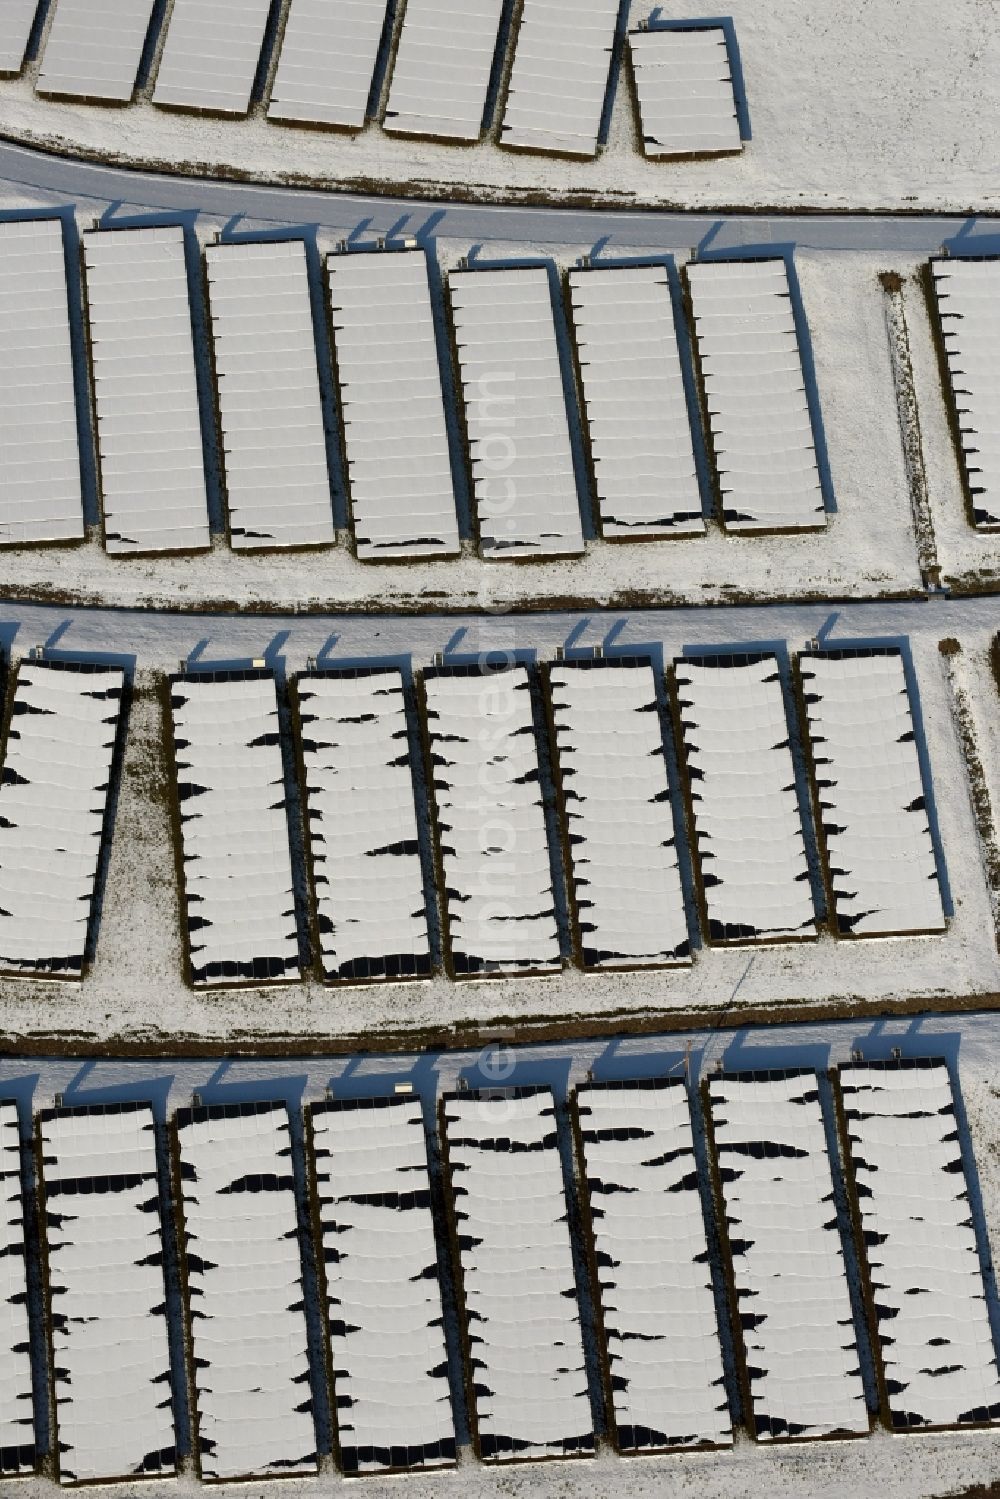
x=211, y=55
x=238, y=888
x=40, y=496
x=684, y=87
x=94, y=49
x=515, y=414
x=968, y=304
x=748, y=830
x=527, y=1371
x=651, y=1251
x=327, y=62
x=54, y=792
x=395, y=434
x=616, y=798
x=114, y=1416
x=559, y=75
x=362, y=826
x=245, y=1294
x=17, y=1416
x=390, y=1363
x=755, y=393
x=491, y=832
x=441, y=75
x=923, y=1262
x=17, y=17
x=635, y=403
x=271, y=412
x=788, y=1269
x=871, y=796
x=149, y=440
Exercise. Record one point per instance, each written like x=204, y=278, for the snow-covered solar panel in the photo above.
x=362, y=826
x=211, y=55
x=152, y=463
x=490, y=816
x=968, y=305
x=327, y=62
x=54, y=791
x=747, y=824
x=924, y=1269
x=17, y=1412
x=271, y=411
x=390, y=1363
x=245, y=1292
x=441, y=76
x=559, y=76
x=238, y=887
x=879, y=847
x=114, y=1416
x=622, y=845
x=40, y=495
x=94, y=49
x=755, y=392
x=508, y=357
x=635, y=403
x=17, y=17
x=520, y=1311
x=664, y=1361
x=684, y=87
x=395, y=434
x=795, y=1313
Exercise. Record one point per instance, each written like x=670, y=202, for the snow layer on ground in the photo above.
x=522, y=1321
x=800, y=1348
x=17, y=1416
x=244, y=1277
x=107, y=1293
x=656, y=1296
x=385, y=1316
x=923, y=1260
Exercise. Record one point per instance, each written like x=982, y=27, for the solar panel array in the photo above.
x=635, y=403
x=441, y=74
x=515, y=414
x=395, y=432
x=17, y=1412
x=790, y=1282
x=327, y=63
x=873, y=810
x=559, y=76
x=244, y=1280
x=684, y=88
x=968, y=306
x=238, y=889
x=40, y=495
x=104, y=1246
x=269, y=398
x=94, y=48
x=522, y=1321
x=385, y=1315
x=924, y=1271
x=362, y=826
x=664, y=1360
x=210, y=57
x=56, y=781
x=17, y=17
x=152, y=466
x=755, y=395
x=745, y=811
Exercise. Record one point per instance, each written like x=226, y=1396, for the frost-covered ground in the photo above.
x=884, y=104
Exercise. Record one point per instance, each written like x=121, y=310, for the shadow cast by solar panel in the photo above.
x=615, y=66
x=614, y=1064
x=308, y=235
x=437, y=282
x=21, y=1091
x=725, y=24
x=785, y=252
x=186, y=220
x=383, y=58
x=73, y=258
x=267, y=49
x=271, y=655
x=151, y=44
x=684, y=351
x=8, y=634
x=491, y=107
x=153, y=1088
x=971, y=241
x=33, y=48
x=902, y=644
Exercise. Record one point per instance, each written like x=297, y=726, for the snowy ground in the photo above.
x=887, y=104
